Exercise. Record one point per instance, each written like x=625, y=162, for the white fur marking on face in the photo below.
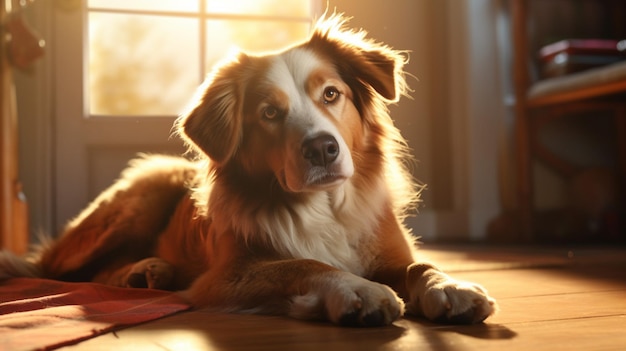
x=290, y=73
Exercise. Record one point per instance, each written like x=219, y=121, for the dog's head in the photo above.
x=300, y=115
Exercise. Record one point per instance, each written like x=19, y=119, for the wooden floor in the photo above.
x=550, y=299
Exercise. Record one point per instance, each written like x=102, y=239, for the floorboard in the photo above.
x=550, y=299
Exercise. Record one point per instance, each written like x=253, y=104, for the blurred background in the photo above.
x=115, y=74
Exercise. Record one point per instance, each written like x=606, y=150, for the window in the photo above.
x=146, y=57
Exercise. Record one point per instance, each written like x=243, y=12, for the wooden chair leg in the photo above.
x=521, y=78
x=620, y=126
x=524, y=174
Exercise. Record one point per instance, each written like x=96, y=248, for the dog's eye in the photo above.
x=330, y=94
x=270, y=112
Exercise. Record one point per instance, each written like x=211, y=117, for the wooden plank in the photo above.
x=602, y=333
x=579, y=306
x=503, y=284
x=206, y=331
x=561, y=307
x=539, y=308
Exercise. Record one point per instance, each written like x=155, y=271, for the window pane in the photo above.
x=152, y=5
x=290, y=8
x=141, y=65
x=250, y=36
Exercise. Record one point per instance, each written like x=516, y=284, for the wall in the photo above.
x=455, y=120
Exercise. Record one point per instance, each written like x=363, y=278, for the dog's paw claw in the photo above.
x=153, y=273
x=472, y=315
x=356, y=319
x=136, y=280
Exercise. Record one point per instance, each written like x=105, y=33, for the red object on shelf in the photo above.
x=575, y=55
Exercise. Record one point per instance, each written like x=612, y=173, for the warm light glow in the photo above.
x=146, y=57
x=143, y=5
x=172, y=339
x=291, y=8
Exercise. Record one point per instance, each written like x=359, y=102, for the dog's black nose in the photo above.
x=320, y=150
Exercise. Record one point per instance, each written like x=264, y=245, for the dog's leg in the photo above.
x=303, y=289
x=427, y=291
x=349, y=300
x=438, y=297
x=122, y=224
x=153, y=273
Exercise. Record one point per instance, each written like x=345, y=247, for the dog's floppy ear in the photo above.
x=363, y=61
x=213, y=123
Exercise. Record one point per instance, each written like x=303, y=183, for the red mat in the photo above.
x=46, y=314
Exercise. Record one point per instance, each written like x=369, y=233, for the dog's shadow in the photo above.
x=486, y=331
x=443, y=337
x=235, y=331
x=482, y=331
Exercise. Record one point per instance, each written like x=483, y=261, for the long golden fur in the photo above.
x=294, y=205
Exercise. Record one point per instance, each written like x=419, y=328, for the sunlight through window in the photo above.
x=146, y=57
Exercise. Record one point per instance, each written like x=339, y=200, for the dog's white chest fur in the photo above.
x=330, y=228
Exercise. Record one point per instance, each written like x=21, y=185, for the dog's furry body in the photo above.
x=295, y=206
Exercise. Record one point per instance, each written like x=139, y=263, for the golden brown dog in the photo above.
x=294, y=206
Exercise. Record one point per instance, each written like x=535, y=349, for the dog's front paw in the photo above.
x=153, y=273
x=457, y=303
x=446, y=300
x=360, y=302
x=349, y=300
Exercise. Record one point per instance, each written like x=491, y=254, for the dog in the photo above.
x=293, y=206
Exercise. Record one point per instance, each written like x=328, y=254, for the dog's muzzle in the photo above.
x=321, y=162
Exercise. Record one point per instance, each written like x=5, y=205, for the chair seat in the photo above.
x=605, y=80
